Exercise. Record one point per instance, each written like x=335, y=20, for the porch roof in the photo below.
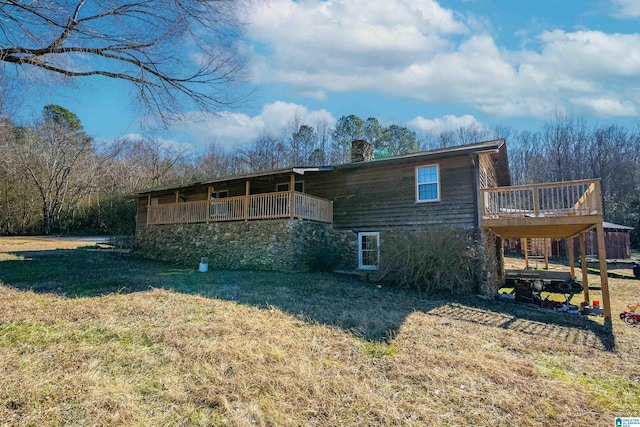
x=283, y=171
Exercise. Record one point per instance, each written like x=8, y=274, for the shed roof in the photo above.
x=612, y=226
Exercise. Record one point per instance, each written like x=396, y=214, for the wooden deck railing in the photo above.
x=254, y=207
x=581, y=197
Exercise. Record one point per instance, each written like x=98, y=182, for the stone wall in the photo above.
x=279, y=245
x=490, y=263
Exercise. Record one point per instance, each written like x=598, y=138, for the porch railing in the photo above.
x=255, y=207
x=567, y=198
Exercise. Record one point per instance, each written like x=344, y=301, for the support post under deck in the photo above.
x=583, y=266
x=604, y=278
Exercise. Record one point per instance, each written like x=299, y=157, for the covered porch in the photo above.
x=554, y=210
x=278, y=194
x=286, y=204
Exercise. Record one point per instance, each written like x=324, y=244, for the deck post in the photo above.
x=571, y=257
x=177, y=196
x=546, y=254
x=526, y=253
x=292, y=188
x=604, y=278
x=583, y=266
x=247, y=191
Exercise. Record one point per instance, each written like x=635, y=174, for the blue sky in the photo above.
x=426, y=64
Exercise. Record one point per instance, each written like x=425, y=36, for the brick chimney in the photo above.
x=361, y=151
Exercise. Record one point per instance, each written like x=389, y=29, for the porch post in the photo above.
x=583, y=266
x=292, y=188
x=247, y=190
x=571, y=257
x=526, y=253
x=604, y=280
x=209, y=190
x=177, y=196
x=148, y=208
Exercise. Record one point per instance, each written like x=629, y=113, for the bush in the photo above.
x=320, y=258
x=428, y=260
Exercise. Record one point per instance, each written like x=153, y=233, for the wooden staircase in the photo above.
x=536, y=252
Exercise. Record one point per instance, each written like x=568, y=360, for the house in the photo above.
x=284, y=219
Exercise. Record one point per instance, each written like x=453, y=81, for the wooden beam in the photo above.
x=604, y=279
x=571, y=257
x=177, y=196
x=546, y=254
x=526, y=253
x=149, y=200
x=292, y=188
x=587, y=220
x=583, y=266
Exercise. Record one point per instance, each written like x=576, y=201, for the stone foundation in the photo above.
x=279, y=245
x=490, y=263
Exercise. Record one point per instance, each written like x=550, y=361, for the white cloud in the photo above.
x=626, y=9
x=445, y=123
x=420, y=50
x=230, y=130
x=172, y=144
x=607, y=107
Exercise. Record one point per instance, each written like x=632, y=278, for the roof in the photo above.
x=439, y=153
x=612, y=226
x=283, y=171
x=496, y=147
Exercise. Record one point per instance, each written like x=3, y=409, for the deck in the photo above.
x=289, y=204
x=557, y=210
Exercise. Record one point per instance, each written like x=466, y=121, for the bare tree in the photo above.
x=171, y=51
x=51, y=154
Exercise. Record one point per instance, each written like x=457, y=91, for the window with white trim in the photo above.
x=219, y=209
x=368, y=250
x=428, y=183
x=219, y=194
x=154, y=201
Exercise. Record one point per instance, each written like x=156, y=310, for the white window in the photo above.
x=428, y=183
x=154, y=201
x=368, y=250
x=299, y=186
x=219, y=209
x=219, y=194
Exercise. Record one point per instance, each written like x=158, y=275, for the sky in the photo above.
x=425, y=64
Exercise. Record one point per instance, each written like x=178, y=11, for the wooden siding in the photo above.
x=374, y=197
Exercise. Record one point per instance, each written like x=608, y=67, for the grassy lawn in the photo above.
x=100, y=338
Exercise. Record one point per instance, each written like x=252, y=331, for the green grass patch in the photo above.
x=379, y=349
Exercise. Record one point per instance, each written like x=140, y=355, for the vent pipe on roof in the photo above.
x=361, y=151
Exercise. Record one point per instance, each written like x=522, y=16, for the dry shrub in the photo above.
x=428, y=260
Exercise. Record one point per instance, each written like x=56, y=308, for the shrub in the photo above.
x=428, y=260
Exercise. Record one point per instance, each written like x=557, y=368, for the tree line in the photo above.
x=57, y=179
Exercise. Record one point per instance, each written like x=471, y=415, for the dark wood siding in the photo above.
x=376, y=196
x=141, y=217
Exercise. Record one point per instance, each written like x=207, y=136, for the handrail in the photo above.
x=579, y=197
x=253, y=207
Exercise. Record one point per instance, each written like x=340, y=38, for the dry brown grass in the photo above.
x=269, y=349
